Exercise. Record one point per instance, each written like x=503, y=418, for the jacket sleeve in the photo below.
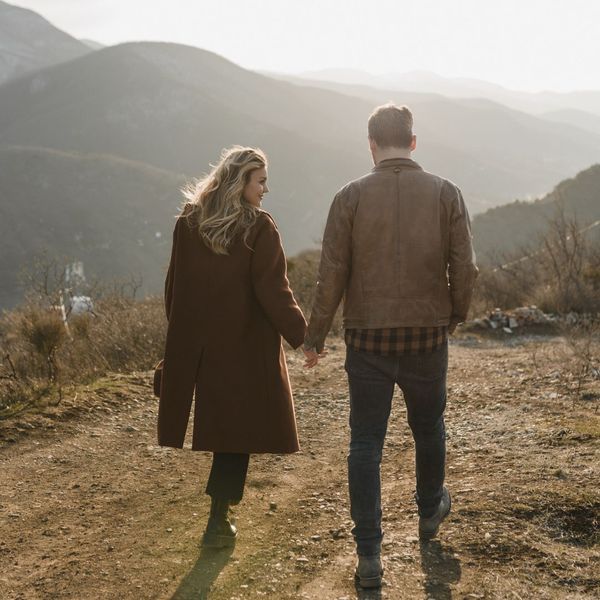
x=462, y=270
x=334, y=269
x=170, y=279
x=271, y=285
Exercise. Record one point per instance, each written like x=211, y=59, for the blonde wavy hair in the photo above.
x=217, y=207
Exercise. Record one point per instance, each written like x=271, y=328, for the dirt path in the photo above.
x=91, y=508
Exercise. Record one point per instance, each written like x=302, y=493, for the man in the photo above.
x=398, y=247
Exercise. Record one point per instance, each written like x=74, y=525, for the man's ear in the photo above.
x=413, y=144
x=372, y=145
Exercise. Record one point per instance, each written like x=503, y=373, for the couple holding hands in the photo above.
x=397, y=247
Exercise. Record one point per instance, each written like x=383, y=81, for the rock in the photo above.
x=337, y=534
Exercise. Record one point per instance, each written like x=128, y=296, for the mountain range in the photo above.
x=175, y=107
x=28, y=42
x=110, y=135
x=538, y=103
x=580, y=109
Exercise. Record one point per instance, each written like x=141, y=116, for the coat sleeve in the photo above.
x=170, y=279
x=334, y=268
x=462, y=270
x=271, y=285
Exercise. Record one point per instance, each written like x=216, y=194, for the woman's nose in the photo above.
x=265, y=189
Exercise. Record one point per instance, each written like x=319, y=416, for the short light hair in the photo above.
x=391, y=126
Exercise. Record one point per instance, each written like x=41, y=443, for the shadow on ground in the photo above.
x=198, y=582
x=440, y=568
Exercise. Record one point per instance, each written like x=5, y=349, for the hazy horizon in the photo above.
x=533, y=46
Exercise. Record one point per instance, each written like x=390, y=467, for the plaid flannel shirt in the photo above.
x=397, y=341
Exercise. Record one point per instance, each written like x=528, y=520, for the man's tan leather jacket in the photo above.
x=398, y=247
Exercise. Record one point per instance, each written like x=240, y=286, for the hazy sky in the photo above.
x=523, y=44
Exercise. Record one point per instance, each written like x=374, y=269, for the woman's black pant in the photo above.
x=228, y=476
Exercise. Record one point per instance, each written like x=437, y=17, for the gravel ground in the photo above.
x=92, y=508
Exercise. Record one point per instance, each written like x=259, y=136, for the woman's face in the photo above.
x=256, y=187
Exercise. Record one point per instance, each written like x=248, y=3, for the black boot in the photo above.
x=220, y=533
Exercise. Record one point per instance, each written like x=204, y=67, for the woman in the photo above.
x=228, y=303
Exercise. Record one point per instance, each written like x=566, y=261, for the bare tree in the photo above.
x=567, y=255
x=45, y=279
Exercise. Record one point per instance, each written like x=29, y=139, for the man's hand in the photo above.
x=452, y=325
x=312, y=357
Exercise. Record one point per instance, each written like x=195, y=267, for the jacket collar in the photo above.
x=403, y=163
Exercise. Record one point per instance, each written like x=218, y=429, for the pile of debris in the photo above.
x=509, y=320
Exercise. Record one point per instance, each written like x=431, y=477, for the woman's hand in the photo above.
x=312, y=357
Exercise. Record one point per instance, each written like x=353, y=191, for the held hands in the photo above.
x=312, y=357
x=452, y=325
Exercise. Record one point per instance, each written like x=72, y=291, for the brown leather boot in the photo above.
x=219, y=533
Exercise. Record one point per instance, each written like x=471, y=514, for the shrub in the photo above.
x=39, y=350
x=44, y=332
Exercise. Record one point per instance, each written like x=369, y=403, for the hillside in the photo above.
x=504, y=230
x=107, y=211
x=28, y=42
x=175, y=107
x=114, y=215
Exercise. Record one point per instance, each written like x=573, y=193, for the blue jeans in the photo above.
x=372, y=379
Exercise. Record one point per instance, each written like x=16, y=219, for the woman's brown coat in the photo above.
x=226, y=315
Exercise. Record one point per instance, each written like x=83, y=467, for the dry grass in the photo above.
x=40, y=355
